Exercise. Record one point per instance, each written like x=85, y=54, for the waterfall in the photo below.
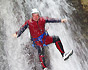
x=14, y=55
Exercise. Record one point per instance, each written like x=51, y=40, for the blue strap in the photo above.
x=33, y=45
x=44, y=45
x=39, y=39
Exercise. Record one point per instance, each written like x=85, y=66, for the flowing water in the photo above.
x=14, y=56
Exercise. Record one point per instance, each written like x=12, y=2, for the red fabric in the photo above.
x=36, y=28
x=58, y=47
x=46, y=40
x=40, y=58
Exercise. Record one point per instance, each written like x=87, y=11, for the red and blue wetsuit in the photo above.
x=39, y=37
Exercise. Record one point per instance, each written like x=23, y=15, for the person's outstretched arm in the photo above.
x=21, y=30
x=53, y=20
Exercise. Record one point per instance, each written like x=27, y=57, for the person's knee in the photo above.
x=55, y=38
x=40, y=50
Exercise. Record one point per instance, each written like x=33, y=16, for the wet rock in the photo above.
x=81, y=14
x=85, y=4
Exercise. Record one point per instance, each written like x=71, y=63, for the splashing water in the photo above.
x=14, y=13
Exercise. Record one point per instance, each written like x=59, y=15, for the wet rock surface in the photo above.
x=81, y=14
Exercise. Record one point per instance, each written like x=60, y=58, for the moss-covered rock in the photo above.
x=85, y=4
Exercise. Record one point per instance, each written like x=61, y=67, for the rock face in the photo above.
x=81, y=8
x=81, y=14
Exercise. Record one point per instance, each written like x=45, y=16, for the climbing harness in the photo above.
x=40, y=39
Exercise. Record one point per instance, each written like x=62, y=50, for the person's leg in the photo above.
x=41, y=56
x=57, y=41
x=58, y=44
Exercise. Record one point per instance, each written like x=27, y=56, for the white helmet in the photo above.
x=35, y=11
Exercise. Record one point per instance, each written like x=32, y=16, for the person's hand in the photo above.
x=63, y=20
x=15, y=35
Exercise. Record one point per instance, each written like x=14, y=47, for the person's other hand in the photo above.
x=63, y=20
x=15, y=35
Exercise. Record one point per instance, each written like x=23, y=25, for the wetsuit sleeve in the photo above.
x=22, y=29
x=52, y=20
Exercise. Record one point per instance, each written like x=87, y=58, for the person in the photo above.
x=39, y=35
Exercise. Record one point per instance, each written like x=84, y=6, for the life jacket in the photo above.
x=36, y=28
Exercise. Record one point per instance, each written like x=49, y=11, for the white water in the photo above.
x=14, y=15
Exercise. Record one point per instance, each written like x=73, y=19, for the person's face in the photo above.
x=35, y=16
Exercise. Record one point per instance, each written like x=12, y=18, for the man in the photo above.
x=39, y=35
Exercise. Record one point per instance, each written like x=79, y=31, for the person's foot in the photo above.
x=66, y=55
x=45, y=68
